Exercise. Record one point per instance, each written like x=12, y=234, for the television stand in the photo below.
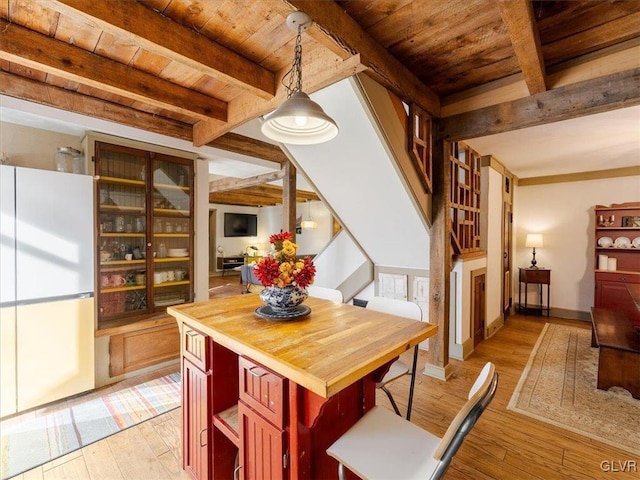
x=229, y=263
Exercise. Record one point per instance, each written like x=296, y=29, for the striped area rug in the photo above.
x=31, y=443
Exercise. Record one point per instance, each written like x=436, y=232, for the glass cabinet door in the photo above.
x=144, y=233
x=172, y=227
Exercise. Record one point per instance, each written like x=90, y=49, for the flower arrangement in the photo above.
x=281, y=268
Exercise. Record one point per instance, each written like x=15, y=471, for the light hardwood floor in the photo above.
x=503, y=444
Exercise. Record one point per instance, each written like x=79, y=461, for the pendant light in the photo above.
x=308, y=223
x=299, y=120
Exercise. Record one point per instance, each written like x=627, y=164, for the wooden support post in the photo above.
x=440, y=264
x=289, y=199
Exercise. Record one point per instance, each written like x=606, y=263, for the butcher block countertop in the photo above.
x=326, y=351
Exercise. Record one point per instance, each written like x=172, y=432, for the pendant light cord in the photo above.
x=292, y=80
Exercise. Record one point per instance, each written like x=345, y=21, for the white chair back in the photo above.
x=392, y=306
x=325, y=293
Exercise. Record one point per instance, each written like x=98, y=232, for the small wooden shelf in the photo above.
x=122, y=181
x=227, y=422
x=171, y=235
x=170, y=259
x=170, y=211
x=124, y=263
x=124, y=288
x=168, y=186
x=171, y=284
x=121, y=209
x=123, y=234
x=618, y=228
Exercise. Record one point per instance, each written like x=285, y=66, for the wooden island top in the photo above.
x=324, y=352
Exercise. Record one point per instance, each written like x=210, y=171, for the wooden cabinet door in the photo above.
x=615, y=296
x=262, y=447
x=196, y=428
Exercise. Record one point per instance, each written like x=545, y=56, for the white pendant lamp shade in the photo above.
x=308, y=224
x=299, y=121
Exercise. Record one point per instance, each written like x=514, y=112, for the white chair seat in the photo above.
x=325, y=293
x=396, y=370
x=385, y=446
x=362, y=451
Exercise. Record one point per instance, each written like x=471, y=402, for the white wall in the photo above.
x=356, y=169
x=22, y=150
x=563, y=213
x=493, y=285
x=310, y=241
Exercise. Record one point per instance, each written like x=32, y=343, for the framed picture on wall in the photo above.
x=631, y=221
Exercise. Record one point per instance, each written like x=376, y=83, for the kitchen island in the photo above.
x=266, y=398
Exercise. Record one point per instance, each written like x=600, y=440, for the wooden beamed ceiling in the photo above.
x=197, y=71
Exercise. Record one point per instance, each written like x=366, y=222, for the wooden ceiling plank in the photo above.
x=44, y=94
x=233, y=142
x=226, y=184
x=589, y=97
x=26, y=47
x=340, y=32
x=520, y=21
x=149, y=30
x=592, y=39
x=319, y=72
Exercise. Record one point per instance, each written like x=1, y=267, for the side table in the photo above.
x=537, y=276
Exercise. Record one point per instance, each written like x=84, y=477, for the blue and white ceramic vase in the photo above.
x=283, y=299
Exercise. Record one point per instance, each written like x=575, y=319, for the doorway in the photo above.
x=212, y=242
x=478, y=304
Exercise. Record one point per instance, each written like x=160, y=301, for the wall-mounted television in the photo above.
x=240, y=225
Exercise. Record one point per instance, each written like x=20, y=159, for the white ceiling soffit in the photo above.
x=585, y=144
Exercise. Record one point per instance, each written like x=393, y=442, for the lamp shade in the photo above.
x=299, y=121
x=308, y=224
x=534, y=240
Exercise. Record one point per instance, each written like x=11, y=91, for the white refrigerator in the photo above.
x=46, y=286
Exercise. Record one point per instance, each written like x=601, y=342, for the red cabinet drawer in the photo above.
x=617, y=277
x=195, y=347
x=263, y=390
x=535, y=276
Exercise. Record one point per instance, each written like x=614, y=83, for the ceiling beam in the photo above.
x=320, y=71
x=34, y=50
x=264, y=195
x=226, y=184
x=520, y=21
x=233, y=142
x=598, y=95
x=344, y=36
x=148, y=29
x=44, y=94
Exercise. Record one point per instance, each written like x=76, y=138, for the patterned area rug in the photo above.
x=558, y=386
x=43, y=438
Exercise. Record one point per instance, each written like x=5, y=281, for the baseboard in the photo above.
x=570, y=314
x=461, y=351
x=493, y=327
x=441, y=373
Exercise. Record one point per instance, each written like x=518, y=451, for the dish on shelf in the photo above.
x=178, y=255
x=605, y=242
x=622, y=242
x=636, y=242
x=178, y=252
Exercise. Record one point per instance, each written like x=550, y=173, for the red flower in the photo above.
x=280, y=237
x=267, y=271
x=305, y=276
x=281, y=268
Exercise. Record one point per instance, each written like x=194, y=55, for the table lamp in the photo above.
x=534, y=240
